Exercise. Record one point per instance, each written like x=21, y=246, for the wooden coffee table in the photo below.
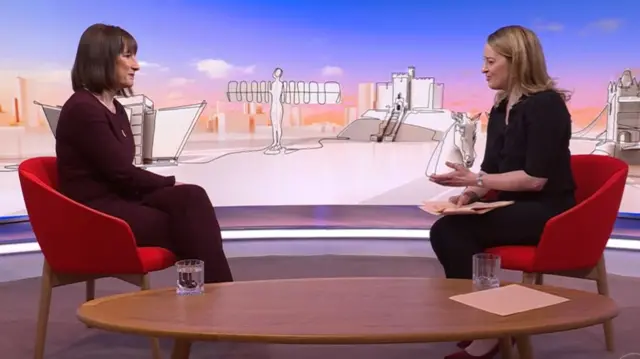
x=335, y=311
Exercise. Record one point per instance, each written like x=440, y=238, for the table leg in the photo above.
x=156, y=353
x=181, y=349
x=524, y=347
x=505, y=347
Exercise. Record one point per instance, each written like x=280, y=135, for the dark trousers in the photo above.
x=180, y=219
x=455, y=239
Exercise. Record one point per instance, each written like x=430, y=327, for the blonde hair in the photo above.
x=527, y=66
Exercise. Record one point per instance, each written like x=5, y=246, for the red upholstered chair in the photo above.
x=80, y=244
x=573, y=242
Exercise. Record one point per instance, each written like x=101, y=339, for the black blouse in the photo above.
x=536, y=140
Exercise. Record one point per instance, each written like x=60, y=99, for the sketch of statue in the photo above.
x=279, y=92
x=276, y=114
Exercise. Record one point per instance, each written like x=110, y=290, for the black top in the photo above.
x=535, y=140
x=95, y=150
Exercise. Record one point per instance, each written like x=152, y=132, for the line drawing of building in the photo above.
x=411, y=109
x=160, y=135
x=419, y=92
x=25, y=112
x=621, y=114
x=421, y=117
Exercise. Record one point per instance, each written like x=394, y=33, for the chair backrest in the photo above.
x=74, y=238
x=593, y=172
x=577, y=238
x=43, y=168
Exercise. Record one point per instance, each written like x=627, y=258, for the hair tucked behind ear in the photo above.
x=527, y=65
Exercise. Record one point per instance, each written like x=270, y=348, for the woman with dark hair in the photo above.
x=95, y=152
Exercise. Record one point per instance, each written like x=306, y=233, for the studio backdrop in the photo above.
x=269, y=103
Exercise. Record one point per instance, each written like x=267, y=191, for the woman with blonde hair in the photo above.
x=527, y=160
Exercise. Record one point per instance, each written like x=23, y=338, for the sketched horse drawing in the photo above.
x=458, y=144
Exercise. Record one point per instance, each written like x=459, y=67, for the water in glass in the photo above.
x=485, y=271
x=190, y=277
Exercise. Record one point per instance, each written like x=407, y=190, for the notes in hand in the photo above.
x=447, y=208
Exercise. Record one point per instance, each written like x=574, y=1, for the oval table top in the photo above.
x=334, y=311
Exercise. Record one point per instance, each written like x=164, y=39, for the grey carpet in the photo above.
x=69, y=339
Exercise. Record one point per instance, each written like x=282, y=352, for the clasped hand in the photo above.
x=459, y=177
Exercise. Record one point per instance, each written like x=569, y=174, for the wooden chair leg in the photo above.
x=506, y=347
x=528, y=278
x=603, y=289
x=539, y=279
x=532, y=278
x=181, y=349
x=155, y=342
x=91, y=290
x=46, y=288
x=524, y=347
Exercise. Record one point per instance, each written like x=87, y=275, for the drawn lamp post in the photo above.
x=279, y=92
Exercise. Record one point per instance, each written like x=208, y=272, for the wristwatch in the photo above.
x=479, y=181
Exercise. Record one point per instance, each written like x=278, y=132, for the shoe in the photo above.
x=464, y=355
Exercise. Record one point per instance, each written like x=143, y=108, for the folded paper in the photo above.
x=448, y=208
x=508, y=300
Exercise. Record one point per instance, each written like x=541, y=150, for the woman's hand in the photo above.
x=459, y=177
x=463, y=199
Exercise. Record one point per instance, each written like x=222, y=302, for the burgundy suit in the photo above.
x=95, y=150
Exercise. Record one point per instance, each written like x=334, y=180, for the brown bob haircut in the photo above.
x=94, y=68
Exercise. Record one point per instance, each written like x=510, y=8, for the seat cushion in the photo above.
x=155, y=258
x=520, y=258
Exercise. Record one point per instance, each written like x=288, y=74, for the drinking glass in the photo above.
x=486, y=267
x=190, y=277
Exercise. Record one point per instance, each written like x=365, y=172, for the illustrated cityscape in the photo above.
x=22, y=116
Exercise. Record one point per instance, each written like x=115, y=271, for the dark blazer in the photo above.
x=95, y=150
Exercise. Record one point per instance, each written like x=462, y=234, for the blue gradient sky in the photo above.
x=366, y=39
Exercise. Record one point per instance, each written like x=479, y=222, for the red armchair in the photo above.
x=573, y=242
x=80, y=244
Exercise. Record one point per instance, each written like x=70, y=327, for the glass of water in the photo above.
x=486, y=267
x=190, y=277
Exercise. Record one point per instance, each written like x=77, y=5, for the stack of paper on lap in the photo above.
x=448, y=208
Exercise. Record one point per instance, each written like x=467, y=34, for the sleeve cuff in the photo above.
x=536, y=173
x=170, y=181
x=486, y=169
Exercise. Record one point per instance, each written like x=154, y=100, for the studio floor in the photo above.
x=69, y=339
x=274, y=258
